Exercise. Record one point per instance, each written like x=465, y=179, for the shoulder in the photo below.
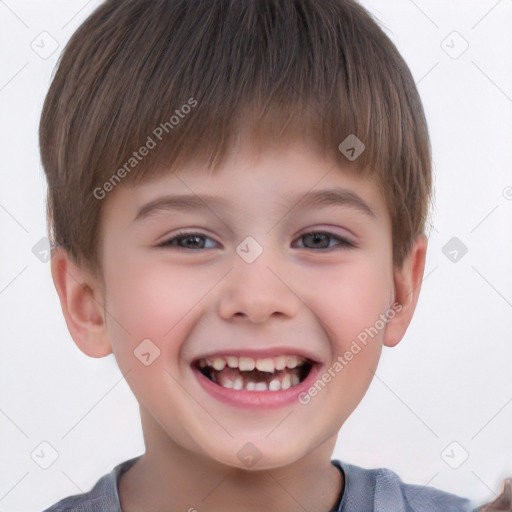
x=382, y=490
x=98, y=498
x=102, y=497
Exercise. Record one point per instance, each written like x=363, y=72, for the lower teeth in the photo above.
x=238, y=382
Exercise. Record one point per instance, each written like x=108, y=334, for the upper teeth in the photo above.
x=247, y=364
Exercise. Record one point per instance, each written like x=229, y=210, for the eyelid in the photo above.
x=334, y=230
x=344, y=241
x=184, y=234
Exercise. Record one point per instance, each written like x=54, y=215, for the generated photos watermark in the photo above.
x=152, y=141
x=354, y=349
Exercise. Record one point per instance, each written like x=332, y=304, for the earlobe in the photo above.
x=82, y=305
x=407, y=284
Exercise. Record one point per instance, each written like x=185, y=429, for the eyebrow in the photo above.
x=187, y=202
x=336, y=197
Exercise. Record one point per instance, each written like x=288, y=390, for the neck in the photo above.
x=169, y=478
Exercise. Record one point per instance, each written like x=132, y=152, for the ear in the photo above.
x=82, y=304
x=407, y=285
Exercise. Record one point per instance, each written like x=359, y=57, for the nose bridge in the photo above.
x=257, y=289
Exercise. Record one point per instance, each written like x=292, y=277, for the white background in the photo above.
x=448, y=380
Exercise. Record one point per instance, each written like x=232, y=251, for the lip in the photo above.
x=256, y=399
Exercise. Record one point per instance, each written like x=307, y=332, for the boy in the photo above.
x=237, y=199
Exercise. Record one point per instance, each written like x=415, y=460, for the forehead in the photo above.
x=292, y=177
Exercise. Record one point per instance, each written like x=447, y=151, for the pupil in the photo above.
x=196, y=241
x=318, y=238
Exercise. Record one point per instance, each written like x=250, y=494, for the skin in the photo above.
x=189, y=302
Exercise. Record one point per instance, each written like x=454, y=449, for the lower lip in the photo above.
x=259, y=399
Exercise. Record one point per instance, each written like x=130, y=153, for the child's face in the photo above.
x=302, y=296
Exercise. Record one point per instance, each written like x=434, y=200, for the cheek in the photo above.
x=349, y=300
x=150, y=308
x=152, y=301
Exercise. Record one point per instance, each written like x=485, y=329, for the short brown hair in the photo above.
x=316, y=70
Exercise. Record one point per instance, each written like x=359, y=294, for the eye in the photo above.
x=186, y=240
x=323, y=239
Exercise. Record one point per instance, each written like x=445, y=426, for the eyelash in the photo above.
x=343, y=243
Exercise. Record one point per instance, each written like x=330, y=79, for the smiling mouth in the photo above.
x=245, y=373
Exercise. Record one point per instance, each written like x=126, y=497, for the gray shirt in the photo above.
x=366, y=490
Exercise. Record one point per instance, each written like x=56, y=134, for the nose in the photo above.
x=258, y=291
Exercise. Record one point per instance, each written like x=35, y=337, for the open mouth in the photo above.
x=245, y=373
